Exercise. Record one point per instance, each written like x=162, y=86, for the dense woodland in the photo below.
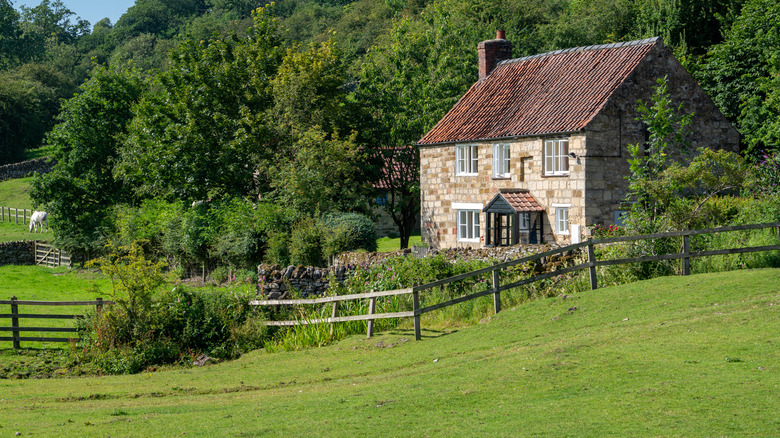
x=298, y=102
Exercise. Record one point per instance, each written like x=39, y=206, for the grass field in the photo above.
x=387, y=244
x=15, y=193
x=677, y=356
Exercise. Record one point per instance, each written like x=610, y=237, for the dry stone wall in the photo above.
x=26, y=168
x=276, y=282
x=17, y=253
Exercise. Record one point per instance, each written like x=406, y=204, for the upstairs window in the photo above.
x=466, y=159
x=556, y=157
x=501, y=160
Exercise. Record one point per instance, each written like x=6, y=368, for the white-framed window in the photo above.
x=525, y=221
x=501, y=160
x=467, y=214
x=466, y=161
x=561, y=219
x=556, y=156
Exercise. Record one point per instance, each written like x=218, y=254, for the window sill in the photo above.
x=466, y=174
x=502, y=178
x=554, y=175
x=468, y=240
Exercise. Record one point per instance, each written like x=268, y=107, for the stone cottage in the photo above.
x=537, y=147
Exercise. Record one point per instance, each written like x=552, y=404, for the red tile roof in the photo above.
x=520, y=200
x=553, y=92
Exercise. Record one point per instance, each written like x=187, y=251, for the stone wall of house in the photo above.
x=25, y=168
x=385, y=226
x=615, y=127
x=443, y=192
x=17, y=253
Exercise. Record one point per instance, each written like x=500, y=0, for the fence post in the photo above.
x=686, y=259
x=592, y=259
x=496, y=293
x=15, y=321
x=371, y=310
x=333, y=315
x=99, y=305
x=416, y=308
x=16, y=215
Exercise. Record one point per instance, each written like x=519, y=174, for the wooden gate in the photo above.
x=47, y=255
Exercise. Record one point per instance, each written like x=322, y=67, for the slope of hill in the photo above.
x=689, y=356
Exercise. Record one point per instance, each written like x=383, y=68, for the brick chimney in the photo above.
x=491, y=52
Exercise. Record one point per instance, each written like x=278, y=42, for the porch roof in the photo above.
x=510, y=201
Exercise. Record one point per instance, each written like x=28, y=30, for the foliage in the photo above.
x=348, y=232
x=203, y=133
x=323, y=173
x=134, y=279
x=668, y=131
x=29, y=99
x=306, y=242
x=765, y=174
x=81, y=190
x=179, y=325
x=278, y=251
x=740, y=74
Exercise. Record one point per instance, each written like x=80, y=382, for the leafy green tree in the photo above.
x=29, y=99
x=11, y=45
x=82, y=189
x=204, y=131
x=741, y=74
x=324, y=174
x=668, y=129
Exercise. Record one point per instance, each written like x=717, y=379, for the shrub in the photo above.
x=278, y=251
x=179, y=325
x=306, y=242
x=348, y=232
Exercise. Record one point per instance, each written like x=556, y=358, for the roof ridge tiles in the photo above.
x=584, y=49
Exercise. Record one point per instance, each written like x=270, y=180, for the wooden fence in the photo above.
x=17, y=215
x=47, y=255
x=497, y=288
x=15, y=316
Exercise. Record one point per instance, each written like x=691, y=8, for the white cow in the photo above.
x=37, y=219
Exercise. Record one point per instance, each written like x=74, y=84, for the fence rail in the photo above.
x=15, y=316
x=11, y=214
x=497, y=288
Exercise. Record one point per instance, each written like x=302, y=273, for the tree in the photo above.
x=204, y=132
x=741, y=75
x=668, y=129
x=81, y=190
x=670, y=189
x=29, y=99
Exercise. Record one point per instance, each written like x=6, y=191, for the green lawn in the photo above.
x=15, y=193
x=37, y=283
x=678, y=356
x=387, y=244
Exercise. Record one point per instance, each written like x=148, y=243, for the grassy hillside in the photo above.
x=683, y=356
x=15, y=193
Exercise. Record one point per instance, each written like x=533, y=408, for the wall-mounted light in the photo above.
x=572, y=155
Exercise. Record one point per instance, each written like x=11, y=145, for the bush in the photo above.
x=278, y=251
x=348, y=232
x=306, y=242
x=178, y=326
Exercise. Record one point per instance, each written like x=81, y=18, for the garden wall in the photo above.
x=25, y=168
x=17, y=253
x=275, y=282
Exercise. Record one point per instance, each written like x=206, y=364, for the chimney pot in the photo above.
x=500, y=35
